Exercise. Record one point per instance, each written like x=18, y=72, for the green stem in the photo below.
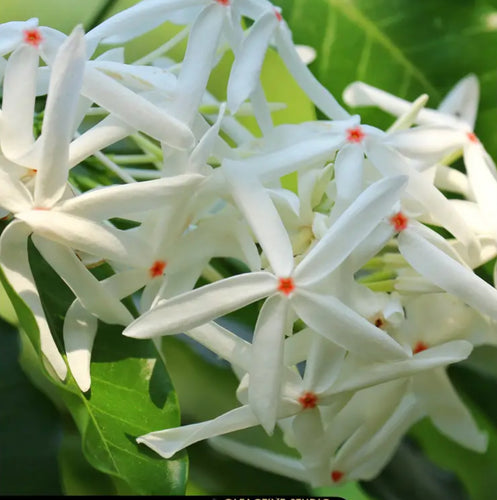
x=378, y=276
x=100, y=15
x=382, y=286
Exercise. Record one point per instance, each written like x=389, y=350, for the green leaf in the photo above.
x=403, y=47
x=29, y=428
x=476, y=378
x=78, y=477
x=131, y=395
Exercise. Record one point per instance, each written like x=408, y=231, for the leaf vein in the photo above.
x=352, y=12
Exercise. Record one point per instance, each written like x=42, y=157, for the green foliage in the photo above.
x=29, y=427
x=131, y=395
x=404, y=47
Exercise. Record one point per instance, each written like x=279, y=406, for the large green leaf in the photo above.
x=131, y=395
x=403, y=47
x=78, y=477
x=29, y=428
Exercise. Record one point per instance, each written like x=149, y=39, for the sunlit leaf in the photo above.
x=404, y=47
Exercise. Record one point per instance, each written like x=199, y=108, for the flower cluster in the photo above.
x=364, y=303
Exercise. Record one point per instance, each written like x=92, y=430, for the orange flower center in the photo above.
x=33, y=37
x=399, y=221
x=355, y=134
x=308, y=400
x=286, y=285
x=336, y=475
x=157, y=268
x=472, y=137
x=223, y=2
x=420, y=346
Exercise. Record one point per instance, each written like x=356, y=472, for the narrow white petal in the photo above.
x=374, y=374
x=126, y=282
x=323, y=365
x=72, y=231
x=448, y=274
x=261, y=458
x=482, y=177
x=297, y=346
x=378, y=451
x=390, y=162
x=263, y=218
x=450, y=179
x=435, y=239
x=331, y=318
x=362, y=94
x=15, y=265
x=262, y=112
x=14, y=196
x=201, y=305
x=224, y=343
x=447, y=411
x=348, y=176
x=350, y=229
x=303, y=76
x=205, y=147
x=19, y=88
x=136, y=20
x=369, y=247
x=246, y=70
x=288, y=159
x=58, y=122
x=169, y=441
x=267, y=361
x=462, y=101
x=80, y=328
x=366, y=420
x=135, y=110
x=105, y=133
x=199, y=59
x=90, y=292
x=431, y=141
x=121, y=200
x=11, y=34
x=308, y=430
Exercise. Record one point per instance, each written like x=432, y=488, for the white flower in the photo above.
x=287, y=288
x=310, y=411
x=59, y=223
